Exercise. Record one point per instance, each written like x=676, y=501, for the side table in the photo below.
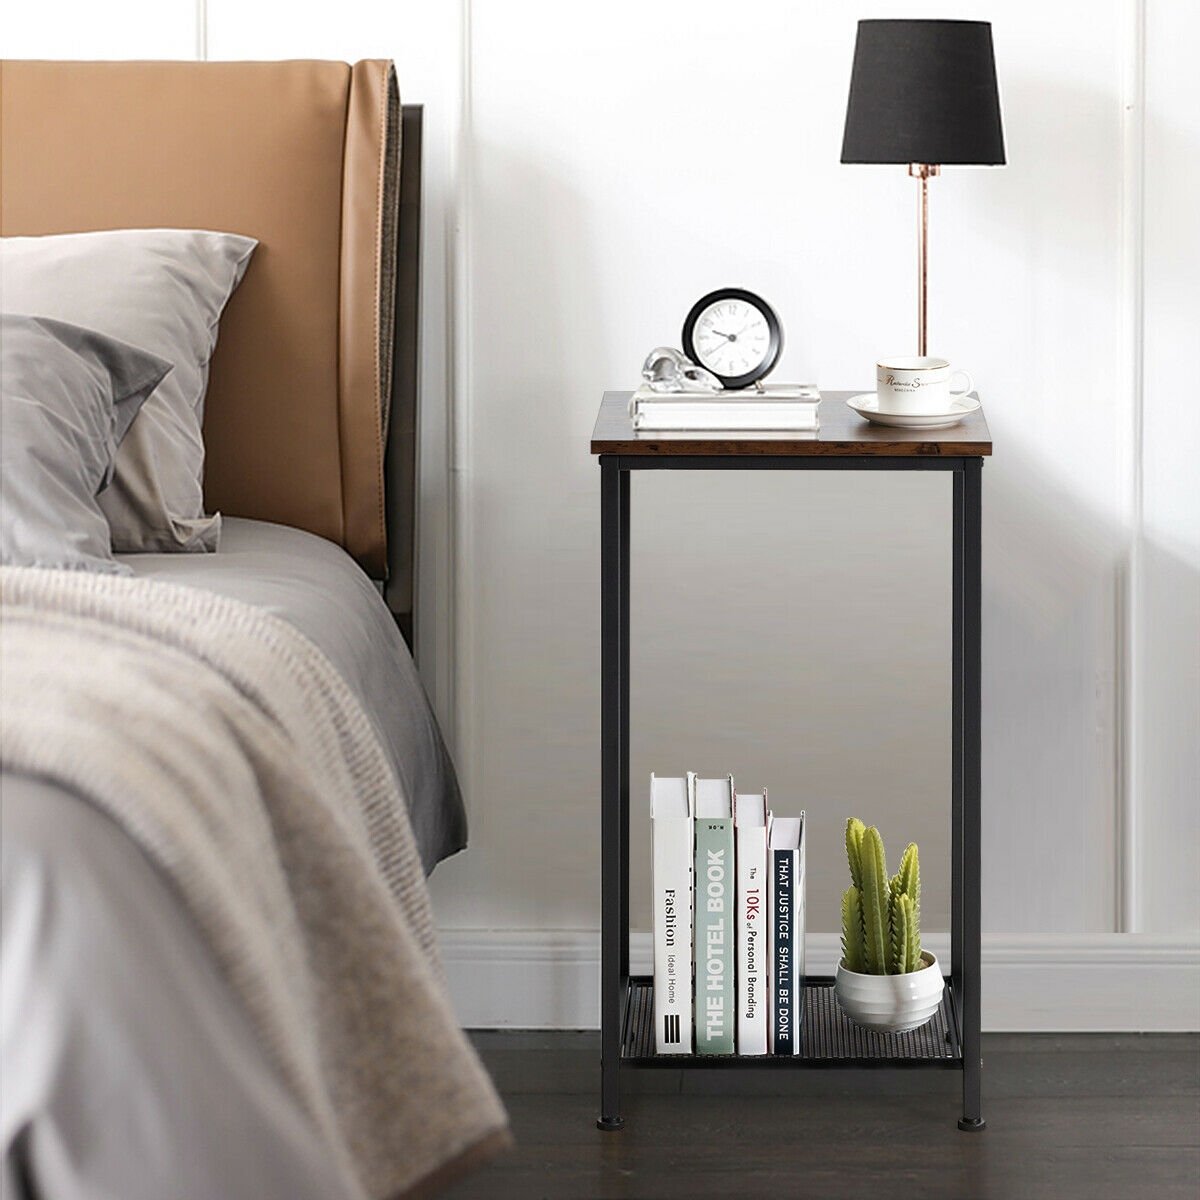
x=845, y=442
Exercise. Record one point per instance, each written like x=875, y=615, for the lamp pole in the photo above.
x=922, y=172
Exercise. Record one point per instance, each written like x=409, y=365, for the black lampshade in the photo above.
x=923, y=92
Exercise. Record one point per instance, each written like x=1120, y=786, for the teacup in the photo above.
x=916, y=386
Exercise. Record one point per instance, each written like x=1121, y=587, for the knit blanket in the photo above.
x=231, y=751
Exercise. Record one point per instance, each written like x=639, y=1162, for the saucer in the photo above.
x=867, y=405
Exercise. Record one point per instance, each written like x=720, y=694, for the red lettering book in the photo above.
x=753, y=923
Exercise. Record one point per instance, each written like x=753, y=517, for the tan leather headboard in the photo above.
x=294, y=154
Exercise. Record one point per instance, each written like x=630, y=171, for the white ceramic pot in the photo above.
x=891, y=1003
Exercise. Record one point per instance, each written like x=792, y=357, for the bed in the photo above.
x=223, y=784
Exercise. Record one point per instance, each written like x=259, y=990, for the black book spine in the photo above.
x=782, y=885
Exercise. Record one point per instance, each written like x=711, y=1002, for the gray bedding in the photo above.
x=316, y=587
x=130, y=1067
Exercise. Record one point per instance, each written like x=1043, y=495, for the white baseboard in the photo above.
x=1052, y=983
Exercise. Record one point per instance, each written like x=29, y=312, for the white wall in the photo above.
x=590, y=171
x=1165, y=649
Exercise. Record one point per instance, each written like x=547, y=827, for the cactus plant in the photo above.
x=854, y=952
x=909, y=874
x=877, y=903
x=881, y=916
x=854, y=833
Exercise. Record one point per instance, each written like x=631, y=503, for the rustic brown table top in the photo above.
x=842, y=432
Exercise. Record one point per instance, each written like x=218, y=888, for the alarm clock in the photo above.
x=734, y=334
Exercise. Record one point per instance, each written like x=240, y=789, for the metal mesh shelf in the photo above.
x=828, y=1038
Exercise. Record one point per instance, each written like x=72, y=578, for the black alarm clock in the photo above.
x=734, y=334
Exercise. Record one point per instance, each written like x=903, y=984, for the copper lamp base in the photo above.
x=922, y=171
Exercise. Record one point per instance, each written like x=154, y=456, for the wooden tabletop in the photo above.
x=842, y=431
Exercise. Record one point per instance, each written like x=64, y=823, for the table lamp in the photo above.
x=924, y=93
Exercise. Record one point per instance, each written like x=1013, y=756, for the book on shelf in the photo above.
x=777, y=407
x=753, y=929
x=809, y=393
x=671, y=806
x=787, y=920
x=715, y=896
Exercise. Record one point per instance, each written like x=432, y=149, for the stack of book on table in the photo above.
x=777, y=406
x=728, y=920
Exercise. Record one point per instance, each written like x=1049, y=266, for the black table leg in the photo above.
x=623, y=729
x=965, y=737
x=969, y=515
x=956, y=742
x=613, y=765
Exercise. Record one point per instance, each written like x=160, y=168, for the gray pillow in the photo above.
x=163, y=290
x=67, y=397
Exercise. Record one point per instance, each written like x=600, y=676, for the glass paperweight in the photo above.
x=670, y=370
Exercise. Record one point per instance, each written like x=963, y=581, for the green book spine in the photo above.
x=716, y=1006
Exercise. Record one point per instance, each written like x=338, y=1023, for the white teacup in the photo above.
x=916, y=386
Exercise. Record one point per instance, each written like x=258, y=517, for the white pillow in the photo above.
x=67, y=398
x=162, y=290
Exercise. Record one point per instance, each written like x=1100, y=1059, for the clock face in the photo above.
x=735, y=335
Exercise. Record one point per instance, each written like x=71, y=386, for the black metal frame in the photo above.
x=962, y=1002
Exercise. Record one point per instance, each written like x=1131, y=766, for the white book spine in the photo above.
x=772, y=392
x=753, y=929
x=766, y=422
x=671, y=808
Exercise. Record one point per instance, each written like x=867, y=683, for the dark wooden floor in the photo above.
x=1088, y=1116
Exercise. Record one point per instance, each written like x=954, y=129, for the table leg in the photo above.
x=971, y=716
x=623, y=729
x=613, y=654
x=956, y=746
